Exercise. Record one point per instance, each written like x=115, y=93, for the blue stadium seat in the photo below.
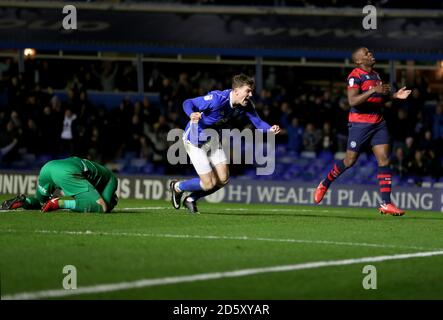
x=148, y=168
x=308, y=155
x=326, y=156
x=137, y=164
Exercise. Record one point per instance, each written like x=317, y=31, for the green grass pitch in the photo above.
x=157, y=252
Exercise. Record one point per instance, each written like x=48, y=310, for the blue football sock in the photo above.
x=190, y=185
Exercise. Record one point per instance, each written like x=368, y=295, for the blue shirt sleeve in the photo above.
x=199, y=104
x=255, y=119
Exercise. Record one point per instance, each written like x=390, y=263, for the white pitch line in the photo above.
x=223, y=209
x=143, y=283
x=235, y=209
x=213, y=237
x=271, y=210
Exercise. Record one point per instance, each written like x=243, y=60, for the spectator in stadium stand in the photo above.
x=67, y=134
x=154, y=81
x=295, y=135
x=286, y=114
x=16, y=91
x=127, y=81
x=183, y=89
x=149, y=112
x=410, y=147
x=31, y=137
x=311, y=138
x=107, y=76
x=431, y=153
x=9, y=139
x=419, y=123
x=418, y=167
x=158, y=139
x=437, y=125
x=399, y=163
x=166, y=93
x=15, y=119
x=145, y=150
x=133, y=134
x=86, y=111
x=366, y=96
x=403, y=126
x=426, y=142
x=328, y=135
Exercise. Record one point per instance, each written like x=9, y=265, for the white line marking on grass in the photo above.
x=143, y=283
x=213, y=237
x=280, y=210
x=258, y=209
x=223, y=209
x=234, y=209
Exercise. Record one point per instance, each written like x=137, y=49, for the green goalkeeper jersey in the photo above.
x=74, y=176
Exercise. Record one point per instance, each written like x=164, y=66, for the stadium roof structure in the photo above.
x=216, y=30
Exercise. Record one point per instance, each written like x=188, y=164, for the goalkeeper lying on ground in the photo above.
x=91, y=185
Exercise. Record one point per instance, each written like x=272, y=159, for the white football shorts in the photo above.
x=206, y=157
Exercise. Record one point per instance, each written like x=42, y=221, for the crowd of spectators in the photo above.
x=428, y=4
x=34, y=120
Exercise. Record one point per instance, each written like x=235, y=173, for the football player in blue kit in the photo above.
x=213, y=111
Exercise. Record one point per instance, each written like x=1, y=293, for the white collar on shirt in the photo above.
x=230, y=100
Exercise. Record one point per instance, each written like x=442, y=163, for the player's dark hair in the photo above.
x=354, y=53
x=241, y=80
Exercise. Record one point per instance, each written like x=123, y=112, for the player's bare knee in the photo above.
x=222, y=181
x=206, y=181
x=208, y=184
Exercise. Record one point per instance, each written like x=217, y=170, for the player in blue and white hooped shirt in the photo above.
x=213, y=111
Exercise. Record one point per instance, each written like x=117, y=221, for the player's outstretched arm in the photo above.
x=255, y=119
x=259, y=123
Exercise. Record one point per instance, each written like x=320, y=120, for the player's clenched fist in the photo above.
x=275, y=129
x=196, y=116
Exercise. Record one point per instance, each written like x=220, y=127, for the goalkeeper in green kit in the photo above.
x=91, y=185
